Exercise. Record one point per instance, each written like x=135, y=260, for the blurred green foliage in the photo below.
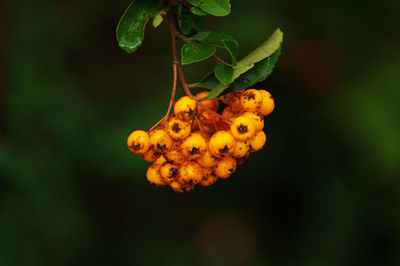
x=325, y=191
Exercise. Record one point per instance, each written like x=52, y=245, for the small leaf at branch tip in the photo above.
x=158, y=19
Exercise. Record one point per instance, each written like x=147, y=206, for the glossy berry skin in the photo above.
x=257, y=142
x=178, y=129
x=225, y=167
x=221, y=143
x=209, y=103
x=160, y=141
x=185, y=108
x=176, y=186
x=268, y=103
x=241, y=149
x=207, y=160
x=154, y=177
x=191, y=173
x=242, y=128
x=251, y=100
x=258, y=120
x=209, y=177
x=194, y=146
x=151, y=155
x=138, y=142
x=160, y=161
x=169, y=172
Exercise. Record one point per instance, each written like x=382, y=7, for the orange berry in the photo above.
x=257, y=142
x=251, y=100
x=227, y=112
x=209, y=177
x=154, y=177
x=178, y=129
x=225, y=167
x=160, y=141
x=194, y=146
x=221, y=143
x=207, y=160
x=185, y=108
x=169, y=172
x=138, y=142
x=242, y=128
x=160, y=161
x=176, y=186
x=175, y=156
x=151, y=155
x=191, y=173
x=241, y=149
x=257, y=119
x=268, y=103
x=209, y=103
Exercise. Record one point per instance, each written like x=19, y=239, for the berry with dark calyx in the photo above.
x=178, y=129
x=185, y=108
x=257, y=142
x=160, y=141
x=209, y=177
x=242, y=128
x=225, y=167
x=138, y=142
x=194, y=146
x=169, y=172
x=221, y=143
x=251, y=100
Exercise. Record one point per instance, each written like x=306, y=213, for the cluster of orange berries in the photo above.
x=198, y=145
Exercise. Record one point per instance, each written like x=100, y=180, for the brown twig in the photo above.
x=172, y=101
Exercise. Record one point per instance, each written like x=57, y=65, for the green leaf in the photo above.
x=197, y=11
x=158, y=19
x=199, y=23
x=130, y=29
x=232, y=49
x=265, y=50
x=224, y=73
x=186, y=23
x=209, y=83
x=195, y=52
x=213, y=7
x=214, y=37
x=259, y=72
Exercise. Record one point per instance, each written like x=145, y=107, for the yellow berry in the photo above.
x=241, y=149
x=176, y=186
x=225, y=167
x=211, y=104
x=207, y=160
x=160, y=161
x=175, y=156
x=169, y=172
x=160, y=141
x=268, y=103
x=185, y=108
x=242, y=128
x=257, y=142
x=221, y=143
x=151, y=155
x=251, y=100
x=154, y=177
x=138, y=142
x=191, y=173
x=194, y=146
x=178, y=129
x=257, y=119
x=209, y=177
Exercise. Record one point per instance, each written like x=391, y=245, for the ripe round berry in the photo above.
x=268, y=103
x=209, y=177
x=175, y=156
x=185, y=108
x=176, y=186
x=242, y=128
x=225, y=167
x=257, y=142
x=138, y=142
x=257, y=119
x=207, y=160
x=169, y=172
x=227, y=112
x=241, y=149
x=209, y=103
x=191, y=173
x=194, y=146
x=178, y=129
x=160, y=161
x=154, y=177
x=160, y=141
x=251, y=100
x=221, y=143
x=151, y=155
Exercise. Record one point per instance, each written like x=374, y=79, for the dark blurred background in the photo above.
x=325, y=191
